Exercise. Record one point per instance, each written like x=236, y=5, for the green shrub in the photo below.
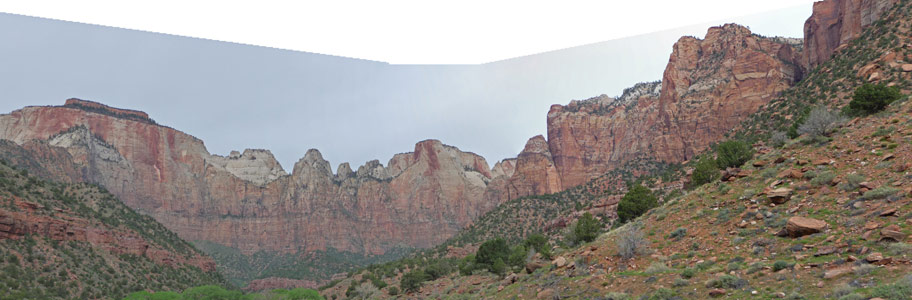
x=518, y=256
x=434, y=271
x=663, y=294
x=538, y=242
x=491, y=252
x=636, y=202
x=781, y=265
x=586, y=229
x=823, y=178
x=704, y=172
x=413, y=280
x=870, y=98
x=726, y=282
x=678, y=233
x=688, y=273
x=393, y=291
x=733, y=154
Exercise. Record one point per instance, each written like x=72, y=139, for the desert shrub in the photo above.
x=823, y=178
x=393, y=291
x=663, y=294
x=871, y=98
x=726, y=282
x=678, y=233
x=630, y=241
x=853, y=296
x=781, y=265
x=705, y=171
x=413, y=280
x=365, y=291
x=778, y=139
x=657, y=267
x=733, y=154
x=587, y=227
x=852, y=182
x=820, y=122
x=688, y=273
x=638, y=200
x=680, y=282
x=901, y=289
x=617, y=296
x=879, y=193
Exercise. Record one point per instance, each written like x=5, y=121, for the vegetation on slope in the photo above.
x=37, y=266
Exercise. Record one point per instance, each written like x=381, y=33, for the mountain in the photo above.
x=803, y=218
x=76, y=240
x=246, y=201
x=251, y=214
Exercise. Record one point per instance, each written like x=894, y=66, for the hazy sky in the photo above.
x=235, y=96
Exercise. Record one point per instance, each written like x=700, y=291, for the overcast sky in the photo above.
x=236, y=96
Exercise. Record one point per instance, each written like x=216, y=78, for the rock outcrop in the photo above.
x=708, y=87
x=834, y=23
x=246, y=201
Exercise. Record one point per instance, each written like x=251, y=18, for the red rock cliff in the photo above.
x=835, y=23
x=708, y=87
x=419, y=199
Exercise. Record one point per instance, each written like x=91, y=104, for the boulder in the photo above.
x=560, y=262
x=907, y=68
x=780, y=195
x=893, y=233
x=801, y=226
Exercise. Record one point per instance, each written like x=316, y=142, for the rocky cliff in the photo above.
x=709, y=86
x=836, y=22
x=247, y=201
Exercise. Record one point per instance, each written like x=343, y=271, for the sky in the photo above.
x=400, y=31
x=235, y=96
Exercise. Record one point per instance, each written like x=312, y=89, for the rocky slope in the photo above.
x=78, y=241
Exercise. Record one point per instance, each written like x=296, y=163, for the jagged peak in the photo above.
x=255, y=165
x=537, y=144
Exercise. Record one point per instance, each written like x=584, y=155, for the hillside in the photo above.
x=726, y=238
x=77, y=241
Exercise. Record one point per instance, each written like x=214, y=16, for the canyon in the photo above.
x=247, y=201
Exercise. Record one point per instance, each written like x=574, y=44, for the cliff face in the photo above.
x=247, y=201
x=708, y=87
x=836, y=22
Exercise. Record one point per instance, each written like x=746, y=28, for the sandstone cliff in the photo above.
x=708, y=87
x=247, y=201
x=836, y=22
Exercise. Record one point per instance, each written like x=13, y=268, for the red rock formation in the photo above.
x=834, y=23
x=62, y=225
x=709, y=86
x=419, y=200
